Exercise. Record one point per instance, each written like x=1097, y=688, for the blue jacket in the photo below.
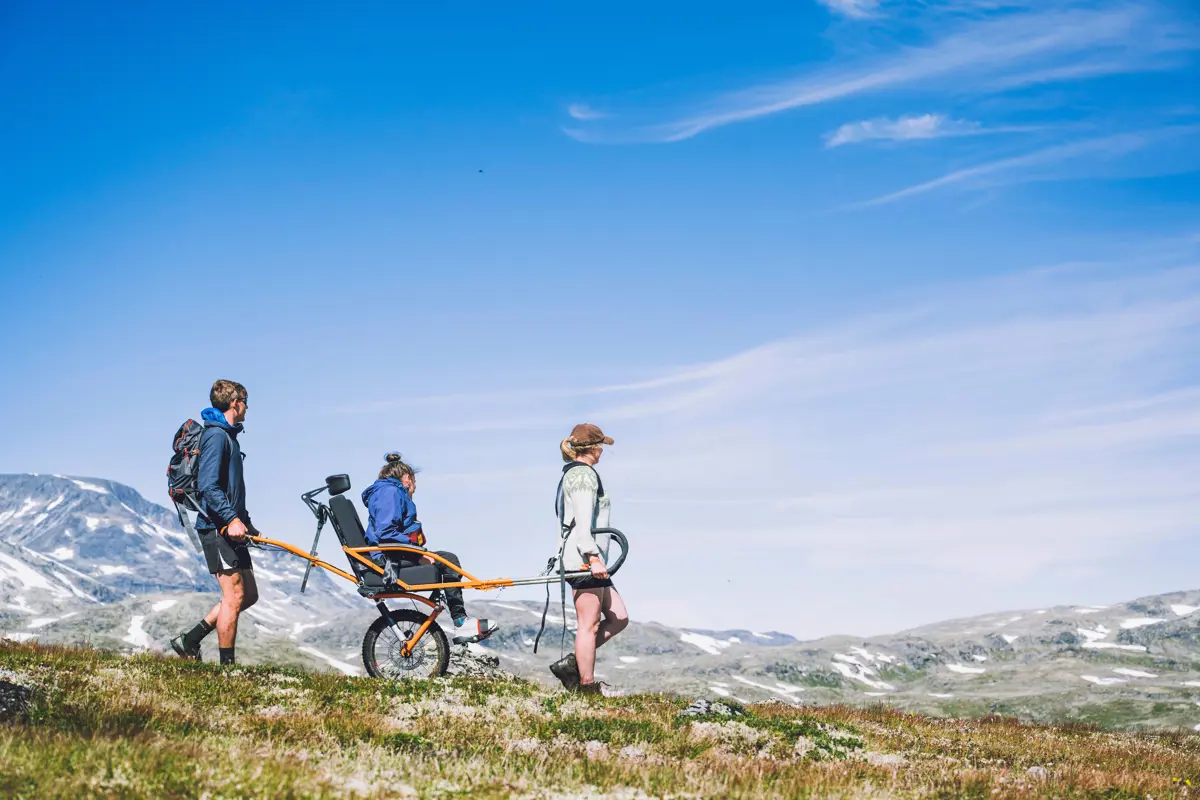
x=393, y=514
x=219, y=477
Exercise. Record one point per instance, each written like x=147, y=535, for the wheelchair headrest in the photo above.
x=338, y=484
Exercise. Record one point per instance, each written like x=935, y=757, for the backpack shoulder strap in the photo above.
x=560, y=502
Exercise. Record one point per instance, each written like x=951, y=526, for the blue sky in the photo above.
x=895, y=300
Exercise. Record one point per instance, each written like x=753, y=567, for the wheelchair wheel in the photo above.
x=381, y=648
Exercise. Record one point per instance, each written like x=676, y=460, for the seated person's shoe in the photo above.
x=183, y=651
x=567, y=671
x=470, y=630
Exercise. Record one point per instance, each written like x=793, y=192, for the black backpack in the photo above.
x=181, y=474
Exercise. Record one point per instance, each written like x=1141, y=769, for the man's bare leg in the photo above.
x=232, y=595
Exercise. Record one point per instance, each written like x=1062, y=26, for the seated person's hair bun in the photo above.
x=393, y=457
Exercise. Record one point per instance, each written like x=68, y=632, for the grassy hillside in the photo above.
x=101, y=724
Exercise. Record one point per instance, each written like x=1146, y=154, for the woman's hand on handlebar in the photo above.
x=598, y=568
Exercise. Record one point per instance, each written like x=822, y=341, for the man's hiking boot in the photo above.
x=567, y=671
x=473, y=630
x=183, y=651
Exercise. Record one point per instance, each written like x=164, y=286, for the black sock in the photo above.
x=192, y=639
x=226, y=655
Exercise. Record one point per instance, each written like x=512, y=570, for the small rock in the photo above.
x=705, y=708
x=631, y=751
x=1037, y=772
x=594, y=750
x=14, y=699
x=474, y=662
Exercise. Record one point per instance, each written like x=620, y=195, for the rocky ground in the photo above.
x=96, y=724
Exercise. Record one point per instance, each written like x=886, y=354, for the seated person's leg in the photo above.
x=454, y=597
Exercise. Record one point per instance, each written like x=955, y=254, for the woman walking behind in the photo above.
x=582, y=507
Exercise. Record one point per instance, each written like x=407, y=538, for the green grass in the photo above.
x=103, y=725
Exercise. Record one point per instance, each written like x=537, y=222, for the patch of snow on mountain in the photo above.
x=129, y=529
x=1088, y=610
x=1103, y=681
x=734, y=640
x=163, y=605
x=137, y=635
x=1041, y=611
x=1134, y=673
x=56, y=502
x=1191, y=683
x=11, y=568
x=784, y=693
x=962, y=669
x=73, y=589
x=1009, y=638
x=1136, y=648
x=62, y=553
x=1182, y=610
x=118, y=569
x=1090, y=635
x=978, y=657
x=1140, y=622
x=720, y=691
x=92, y=523
x=850, y=667
x=89, y=487
x=629, y=659
x=300, y=627
x=706, y=643
x=761, y=635
x=25, y=508
x=20, y=636
x=941, y=695
x=340, y=666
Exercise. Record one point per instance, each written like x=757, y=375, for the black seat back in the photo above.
x=350, y=530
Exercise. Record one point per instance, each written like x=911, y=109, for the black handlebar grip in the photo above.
x=620, y=537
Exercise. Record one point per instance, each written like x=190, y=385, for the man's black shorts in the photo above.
x=222, y=554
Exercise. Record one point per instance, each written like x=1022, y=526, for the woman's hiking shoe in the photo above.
x=567, y=671
x=183, y=651
x=473, y=630
x=590, y=688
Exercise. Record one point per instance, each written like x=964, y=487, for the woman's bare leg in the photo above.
x=616, y=618
x=587, y=619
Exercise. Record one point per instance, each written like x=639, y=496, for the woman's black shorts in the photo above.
x=590, y=582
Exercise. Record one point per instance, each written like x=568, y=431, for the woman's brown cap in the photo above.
x=587, y=435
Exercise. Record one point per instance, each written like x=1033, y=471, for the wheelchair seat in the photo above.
x=350, y=529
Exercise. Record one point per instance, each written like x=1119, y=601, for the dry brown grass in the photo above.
x=108, y=726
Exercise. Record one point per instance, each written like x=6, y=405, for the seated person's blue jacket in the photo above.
x=393, y=514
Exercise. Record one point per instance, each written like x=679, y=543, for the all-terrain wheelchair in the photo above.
x=404, y=642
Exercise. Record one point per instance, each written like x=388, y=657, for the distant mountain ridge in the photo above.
x=90, y=560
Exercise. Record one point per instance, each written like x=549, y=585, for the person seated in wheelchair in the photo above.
x=393, y=520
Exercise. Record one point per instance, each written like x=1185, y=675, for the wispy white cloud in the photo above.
x=981, y=436
x=909, y=128
x=856, y=9
x=980, y=55
x=1039, y=165
x=582, y=111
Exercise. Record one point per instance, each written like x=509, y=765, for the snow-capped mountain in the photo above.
x=70, y=543
x=84, y=560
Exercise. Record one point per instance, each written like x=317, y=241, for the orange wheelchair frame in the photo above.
x=408, y=628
